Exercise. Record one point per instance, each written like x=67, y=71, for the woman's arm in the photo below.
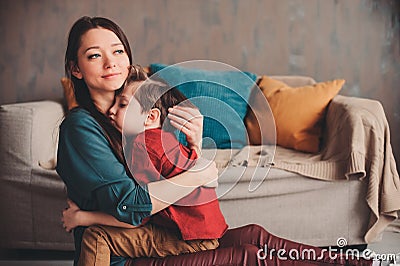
x=179, y=186
x=182, y=184
x=166, y=192
x=204, y=173
x=88, y=166
x=74, y=217
x=94, y=177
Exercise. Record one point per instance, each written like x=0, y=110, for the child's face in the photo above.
x=127, y=108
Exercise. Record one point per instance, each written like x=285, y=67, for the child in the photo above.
x=192, y=224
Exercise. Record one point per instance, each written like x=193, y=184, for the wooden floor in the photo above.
x=390, y=244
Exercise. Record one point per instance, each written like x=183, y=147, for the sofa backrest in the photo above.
x=29, y=131
x=295, y=81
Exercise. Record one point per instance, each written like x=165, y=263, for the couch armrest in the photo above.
x=29, y=133
x=32, y=197
x=343, y=133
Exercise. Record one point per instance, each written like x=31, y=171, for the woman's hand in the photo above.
x=190, y=122
x=73, y=217
x=206, y=171
x=70, y=218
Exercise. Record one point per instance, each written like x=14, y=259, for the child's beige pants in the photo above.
x=100, y=242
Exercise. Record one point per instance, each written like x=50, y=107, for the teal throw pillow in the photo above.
x=221, y=97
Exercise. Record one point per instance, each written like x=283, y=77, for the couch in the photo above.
x=289, y=204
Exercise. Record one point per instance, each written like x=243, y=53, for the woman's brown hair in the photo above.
x=82, y=95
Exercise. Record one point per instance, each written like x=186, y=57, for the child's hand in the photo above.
x=70, y=217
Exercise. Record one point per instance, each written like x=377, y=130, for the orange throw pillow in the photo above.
x=299, y=112
x=69, y=94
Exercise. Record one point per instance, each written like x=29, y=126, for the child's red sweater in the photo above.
x=157, y=154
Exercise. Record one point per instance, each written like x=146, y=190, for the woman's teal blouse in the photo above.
x=94, y=177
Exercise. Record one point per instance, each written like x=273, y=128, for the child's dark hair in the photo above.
x=157, y=94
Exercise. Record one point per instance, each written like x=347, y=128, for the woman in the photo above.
x=90, y=151
x=91, y=162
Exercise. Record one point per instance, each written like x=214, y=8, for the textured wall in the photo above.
x=358, y=40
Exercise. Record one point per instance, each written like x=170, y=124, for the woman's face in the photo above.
x=102, y=61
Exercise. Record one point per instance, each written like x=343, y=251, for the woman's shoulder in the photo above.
x=78, y=119
x=82, y=129
x=78, y=115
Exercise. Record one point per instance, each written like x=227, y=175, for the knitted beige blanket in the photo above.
x=356, y=145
